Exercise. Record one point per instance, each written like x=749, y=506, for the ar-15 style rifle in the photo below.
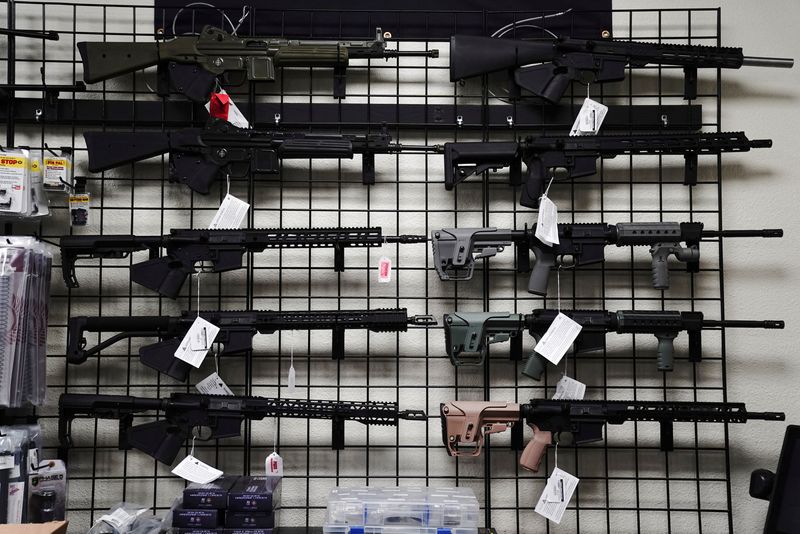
x=566, y=60
x=456, y=249
x=191, y=65
x=237, y=329
x=221, y=414
x=223, y=248
x=578, y=156
x=465, y=423
x=198, y=157
x=471, y=332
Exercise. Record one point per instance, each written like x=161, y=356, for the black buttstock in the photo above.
x=161, y=357
x=112, y=149
x=76, y=341
x=473, y=55
x=102, y=61
x=462, y=160
x=160, y=439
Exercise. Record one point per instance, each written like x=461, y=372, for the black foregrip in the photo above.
x=315, y=147
x=112, y=149
x=102, y=61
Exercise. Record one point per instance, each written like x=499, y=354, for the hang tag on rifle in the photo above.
x=213, y=384
x=569, y=388
x=384, y=270
x=558, y=338
x=222, y=106
x=291, y=381
x=230, y=215
x=556, y=495
x=197, y=342
x=589, y=118
x=274, y=465
x=196, y=471
x=547, y=222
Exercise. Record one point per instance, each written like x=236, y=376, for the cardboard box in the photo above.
x=196, y=518
x=249, y=519
x=254, y=494
x=212, y=495
x=53, y=527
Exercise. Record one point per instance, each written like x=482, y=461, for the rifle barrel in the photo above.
x=767, y=416
x=770, y=325
x=767, y=232
x=773, y=62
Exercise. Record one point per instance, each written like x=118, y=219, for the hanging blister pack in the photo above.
x=58, y=170
x=25, y=266
x=22, y=193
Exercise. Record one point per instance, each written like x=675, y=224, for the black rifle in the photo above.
x=464, y=423
x=578, y=156
x=190, y=65
x=198, y=157
x=223, y=248
x=237, y=329
x=586, y=61
x=471, y=332
x=456, y=249
x=221, y=414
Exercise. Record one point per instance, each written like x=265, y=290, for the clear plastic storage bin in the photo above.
x=369, y=510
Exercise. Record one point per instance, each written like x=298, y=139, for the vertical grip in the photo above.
x=535, y=449
x=540, y=272
x=660, y=266
x=534, y=366
x=665, y=356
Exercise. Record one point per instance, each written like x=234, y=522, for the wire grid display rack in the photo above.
x=627, y=483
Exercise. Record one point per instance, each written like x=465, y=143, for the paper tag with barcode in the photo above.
x=196, y=471
x=120, y=519
x=589, y=118
x=274, y=465
x=556, y=495
x=230, y=215
x=384, y=270
x=7, y=461
x=197, y=342
x=558, y=338
x=569, y=388
x=547, y=222
x=235, y=116
x=213, y=385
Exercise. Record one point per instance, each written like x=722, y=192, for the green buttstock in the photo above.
x=102, y=61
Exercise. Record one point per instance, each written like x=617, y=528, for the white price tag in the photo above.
x=291, y=381
x=558, y=338
x=197, y=342
x=274, y=465
x=230, y=215
x=589, y=118
x=235, y=116
x=213, y=385
x=547, y=222
x=196, y=471
x=556, y=495
x=33, y=459
x=569, y=388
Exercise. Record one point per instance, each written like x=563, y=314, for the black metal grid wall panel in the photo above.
x=627, y=484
